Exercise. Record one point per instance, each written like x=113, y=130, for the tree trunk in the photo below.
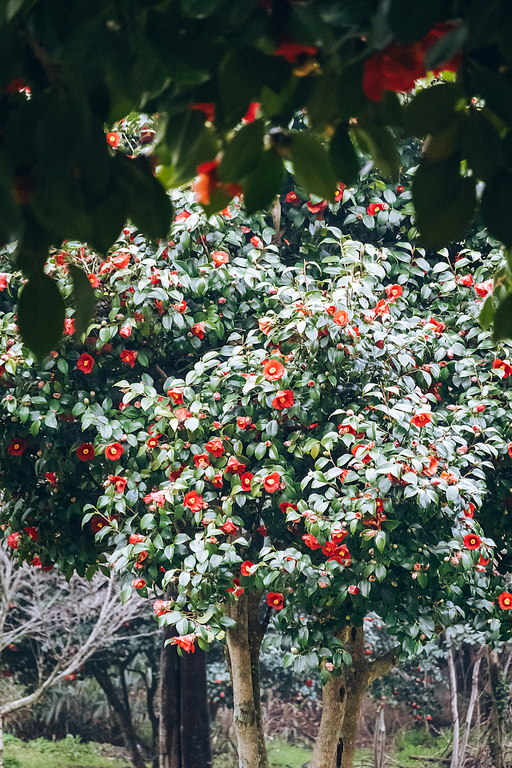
x=1, y=743
x=329, y=745
x=151, y=682
x=455, y=710
x=340, y=710
x=115, y=702
x=471, y=707
x=379, y=741
x=252, y=752
x=495, y=735
x=184, y=720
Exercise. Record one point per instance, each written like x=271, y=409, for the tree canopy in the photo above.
x=319, y=84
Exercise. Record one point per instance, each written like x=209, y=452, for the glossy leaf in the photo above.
x=41, y=315
x=312, y=165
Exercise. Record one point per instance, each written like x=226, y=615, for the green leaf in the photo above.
x=431, y=110
x=408, y=24
x=492, y=86
x=240, y=79
x=486, y=316
x=444, y=201
x=242, y=153
x=481, y=145
x=264, y=183
x=149, y=206
x=85, y=301
x=446, y=47
x=377, y=141
x=200, y=9
x=496, y=207
x=312, y=165
x=344, y=157
x=503, y=320
x=41, y=314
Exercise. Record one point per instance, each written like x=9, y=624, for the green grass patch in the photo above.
x=418, y=742
x=281, y=754
x=68, y=753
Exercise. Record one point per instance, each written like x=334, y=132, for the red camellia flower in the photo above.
x=283, y=399
x=438, y=326
x=229, y=526
x=340, y=317
x=397, y=67
x=161, y=606
x=243, y=422
x=93, y=279
x=273, y=370
x=215, y=446
x=275, y=600
x=220, y=257
x=467, y=280
x=310, y=541
x=125, y=331
x=193, y=501
x=421, y=418
x=503, y=366
x=342, y=555
x=505, y=601
x=472, y=541
x=234, y=467
x=69, y=326
x=156, y=497
x=329, y=549
x=113, y=138
x=136, y=538
x=337, y=536
x=201, y=460
x=217, y=480
x=186, y=642
x=374, y=208
x=366, y=457
x=207, y=108
x=293, y=198
x=393, y=292
x=176, y=394
x=113, y=451
x=316, y=207
x=138, y=583
x=51, y=477
x=120, y=259
x=85, y=452
x=485, y=288
x=293, y=52
x=153, y=441
x=208, y=180
x=262, y=530
x=245, y=568
x=256, y=242
x=181, y=307
x=400, y=189
x=97, y=523
x=12, y=540
x=245, y=481
x=432, y=467
x=250, y=115
x=198, y=330
x=271, y=482
x=353, y=589
x=129, y=357
x=339, y=194
x=17, y=446
x=286, y=505
x=85, y=363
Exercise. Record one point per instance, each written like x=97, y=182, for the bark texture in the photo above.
x=495, y=727
x=336, y=741
x=252, y=751
x=184, y=721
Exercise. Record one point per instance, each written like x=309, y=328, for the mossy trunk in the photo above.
x=341, y=702
x=243, y=641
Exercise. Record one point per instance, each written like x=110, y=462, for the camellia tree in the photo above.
x=202, y=66
x=274, y=420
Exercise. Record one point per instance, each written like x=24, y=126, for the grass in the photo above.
x=418, y=742
x=68, y=753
